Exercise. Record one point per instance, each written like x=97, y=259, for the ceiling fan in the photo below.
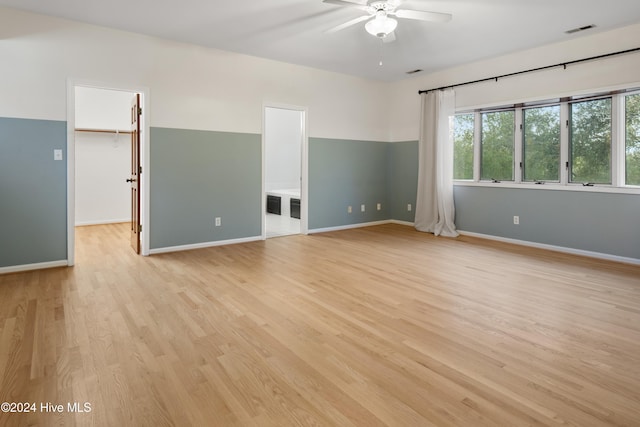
x=379, y=14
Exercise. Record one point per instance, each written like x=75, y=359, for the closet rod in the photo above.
x=104, y=130
x=562, y=64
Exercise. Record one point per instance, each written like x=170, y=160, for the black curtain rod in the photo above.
x=562, y=64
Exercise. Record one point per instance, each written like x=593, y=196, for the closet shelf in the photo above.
x=116, y=131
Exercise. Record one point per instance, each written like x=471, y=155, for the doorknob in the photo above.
x=131, y=180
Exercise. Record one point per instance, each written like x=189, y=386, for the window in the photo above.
x=541, y=144
x=590, y=141
x=463, y=125
x=497, y=140
x=632, y=140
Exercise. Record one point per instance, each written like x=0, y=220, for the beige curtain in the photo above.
x=435, y=209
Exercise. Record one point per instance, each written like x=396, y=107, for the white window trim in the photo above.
x=518, y=146
x=630, y=189
x=564, y=143
x=617, y=141
x=477, y=146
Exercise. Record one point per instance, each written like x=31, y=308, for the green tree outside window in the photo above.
x=541, y=144
x=463, y=126
x=497, y=145
x=632, y=151
x=591, y=141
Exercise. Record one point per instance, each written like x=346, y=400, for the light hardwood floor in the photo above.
x=366, y=327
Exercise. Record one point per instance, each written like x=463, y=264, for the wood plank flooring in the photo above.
x=366, y=327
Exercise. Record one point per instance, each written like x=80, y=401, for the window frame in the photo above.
x=612, y=154
x=522, y=129
x=618, y=144
x=474, y=154
x=513, y=157
x=622, y=158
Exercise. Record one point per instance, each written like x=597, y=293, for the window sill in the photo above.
x=597, y=188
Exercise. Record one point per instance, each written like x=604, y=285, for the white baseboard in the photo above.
x=396, y=221
x=348, y=226
x=598, y=255
x=203, y=245
x=37, y=266
x=102, y=222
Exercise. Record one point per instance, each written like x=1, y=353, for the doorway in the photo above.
x=102, y=156
x=284, y=171
x=99, y=145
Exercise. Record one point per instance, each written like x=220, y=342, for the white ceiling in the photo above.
x=293, y=30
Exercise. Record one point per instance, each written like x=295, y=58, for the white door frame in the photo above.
x=71, y=159
x=304, y=184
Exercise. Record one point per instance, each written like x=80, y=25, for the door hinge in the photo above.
x=139, y=170
x=139, y=228
x=139, y=111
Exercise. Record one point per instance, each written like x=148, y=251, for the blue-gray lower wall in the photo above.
x=33, y=190
x=197, y=176
x=346, y=173
x=403, y=179
x=598, y=222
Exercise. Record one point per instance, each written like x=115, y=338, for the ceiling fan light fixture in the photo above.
x=381, y=26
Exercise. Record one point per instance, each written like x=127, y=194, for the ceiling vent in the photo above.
x=414, y=71
x=577, y=30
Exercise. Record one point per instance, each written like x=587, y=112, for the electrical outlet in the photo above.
x=349, y=209
x=516, y=219
x=362, y=208
x=379, y=206
x=409, y=207
x=218, y=221
x=57, y=154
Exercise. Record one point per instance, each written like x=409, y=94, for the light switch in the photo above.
x=57, y=154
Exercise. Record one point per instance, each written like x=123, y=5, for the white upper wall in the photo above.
x=610, y=73
x=190, y=86
x=198, y=88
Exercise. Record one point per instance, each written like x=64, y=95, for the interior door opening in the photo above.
x=284, y=136
x=107, y=182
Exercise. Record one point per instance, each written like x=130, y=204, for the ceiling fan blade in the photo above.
x=422, y=15
x=348, y=24
x=353, y=4
x=391, y=37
